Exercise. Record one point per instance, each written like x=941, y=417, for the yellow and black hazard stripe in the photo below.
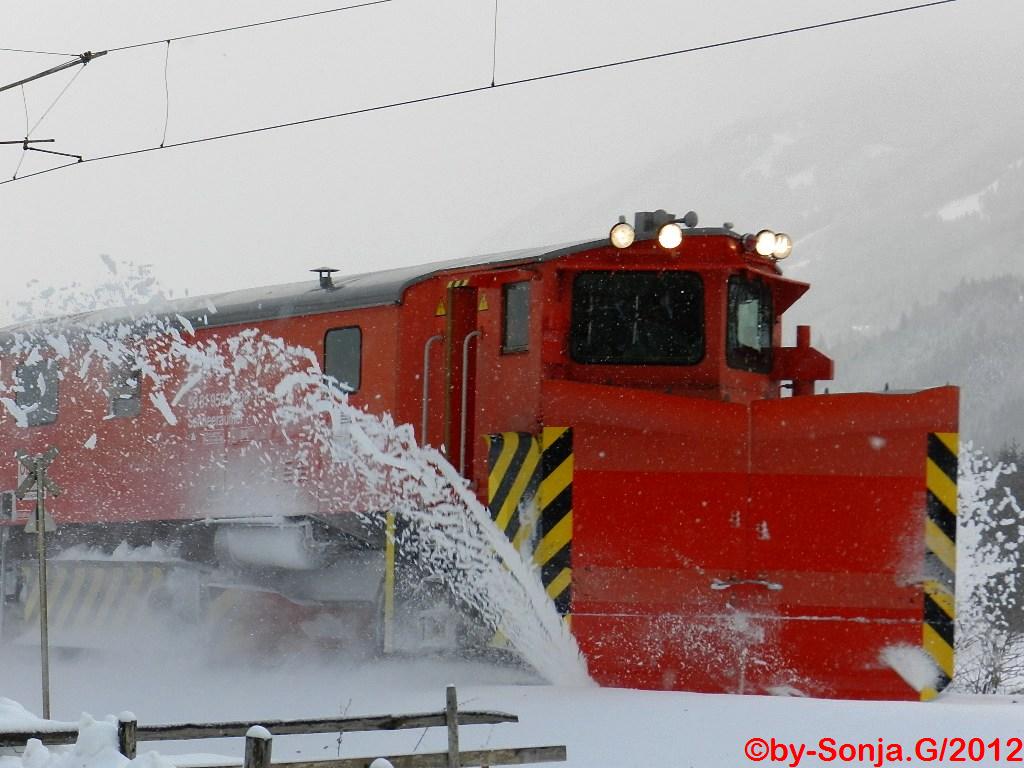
x=938, y=629
x=554, y=499
x=514, y=461
x=83, y=596
x=524, y=469
x=458, y=283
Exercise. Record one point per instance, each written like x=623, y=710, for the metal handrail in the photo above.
x=465, y=385
x=426, y=385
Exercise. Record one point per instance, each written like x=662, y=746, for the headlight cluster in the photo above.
x=774, y=245
x=668, y=230
x=669, y=234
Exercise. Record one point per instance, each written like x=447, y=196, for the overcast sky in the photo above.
x=506, y=168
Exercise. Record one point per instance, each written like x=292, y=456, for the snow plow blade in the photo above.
x=94, y=603
x=801, y=546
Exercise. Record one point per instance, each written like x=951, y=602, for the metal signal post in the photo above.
x=37, y=479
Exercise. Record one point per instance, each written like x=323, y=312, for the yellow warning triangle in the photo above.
x=440, y=309
x=482, y=305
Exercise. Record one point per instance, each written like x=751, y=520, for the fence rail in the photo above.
x=483, y=757
x=259, y=739
x=336, y=725
x=238, y=728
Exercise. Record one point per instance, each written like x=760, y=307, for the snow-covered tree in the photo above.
x=990, y=633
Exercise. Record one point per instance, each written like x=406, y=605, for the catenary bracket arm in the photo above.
x=83, y=58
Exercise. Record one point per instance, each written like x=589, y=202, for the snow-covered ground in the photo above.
x=601, y=727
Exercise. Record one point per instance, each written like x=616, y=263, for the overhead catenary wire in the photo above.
x=41, y=53
x=250, y=25
x=80, y=60
x=63, y=90
x=489, y=87
x=88, y=56
x=85, y=58
x=24, y=100
x=30, y=130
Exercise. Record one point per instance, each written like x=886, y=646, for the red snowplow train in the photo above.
x=703, y=519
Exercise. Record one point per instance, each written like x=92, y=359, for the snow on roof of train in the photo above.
x=247, y=305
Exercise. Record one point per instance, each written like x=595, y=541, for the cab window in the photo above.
x=749, y=326
x=36, y=391
x=125, y=390
x=637, y=318
x=343, y=351
x=515, y=330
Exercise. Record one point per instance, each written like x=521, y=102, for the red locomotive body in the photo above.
x=620, y=407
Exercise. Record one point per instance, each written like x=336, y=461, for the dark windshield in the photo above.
x=634, y=318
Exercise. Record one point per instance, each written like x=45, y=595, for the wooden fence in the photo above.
x=259, y=736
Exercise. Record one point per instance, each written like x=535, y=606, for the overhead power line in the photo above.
x=490, y=87
x=210, y=31
x=82, y=60
x=281, y=20
x=42, y=53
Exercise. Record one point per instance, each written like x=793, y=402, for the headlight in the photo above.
x=670, y=235
x=783, y=247
x=622, y=235
x=764, y=242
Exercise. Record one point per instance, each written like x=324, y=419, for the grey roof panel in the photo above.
x=370, y=289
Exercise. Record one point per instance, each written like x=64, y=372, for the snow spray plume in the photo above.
x=353, y=460
x=450, y=531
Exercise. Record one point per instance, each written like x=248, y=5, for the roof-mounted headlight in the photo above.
x=622, y=235
x=783, y=246
x=771, y=245
x=764, y=242
x=670, y=235
x=660, y=225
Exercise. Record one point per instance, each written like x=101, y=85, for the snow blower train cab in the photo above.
x=625, y=408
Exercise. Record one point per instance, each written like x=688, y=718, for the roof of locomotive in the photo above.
x=369, y=289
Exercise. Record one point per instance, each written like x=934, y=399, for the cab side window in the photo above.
x=125, y=390
x=515, y=328
x=37, y=386
x=343, y=351
x=749, y=331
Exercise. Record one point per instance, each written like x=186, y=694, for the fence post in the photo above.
x=127, y=728
x=451, y=716
x=258, y=743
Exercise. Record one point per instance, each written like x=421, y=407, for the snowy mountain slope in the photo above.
x=895, y=186
x=972, y=336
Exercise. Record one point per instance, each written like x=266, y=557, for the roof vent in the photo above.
x=647, y=223
x=325, y=276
